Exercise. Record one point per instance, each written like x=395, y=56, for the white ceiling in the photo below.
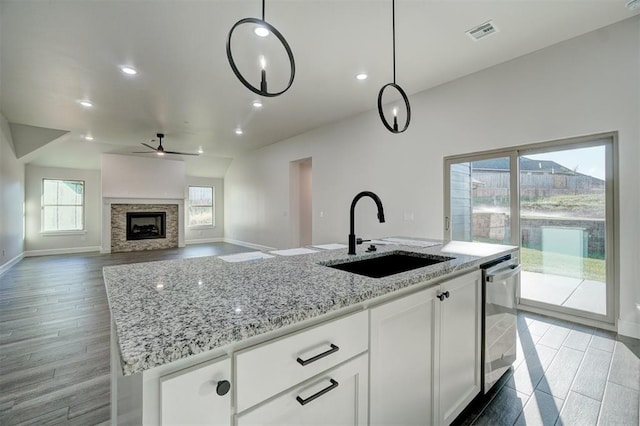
x=56, y=52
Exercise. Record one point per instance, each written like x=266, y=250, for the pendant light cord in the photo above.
x=263, y=9
x=393, y=25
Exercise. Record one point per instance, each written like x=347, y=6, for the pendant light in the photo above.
x=263, y=29
x=393, y=128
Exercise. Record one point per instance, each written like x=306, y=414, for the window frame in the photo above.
x=213, y=207
x=56, y=232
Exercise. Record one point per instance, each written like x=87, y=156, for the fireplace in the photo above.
x=146, y=225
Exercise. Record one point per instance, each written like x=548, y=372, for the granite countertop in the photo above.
x=167, y=310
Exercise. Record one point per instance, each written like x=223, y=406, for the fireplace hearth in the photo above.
x=146, y=225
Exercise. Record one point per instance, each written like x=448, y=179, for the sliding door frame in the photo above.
x=610, y=141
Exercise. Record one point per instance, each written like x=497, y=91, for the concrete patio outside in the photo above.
x=573, y=293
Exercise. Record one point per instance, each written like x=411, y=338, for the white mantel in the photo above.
x=130, y=179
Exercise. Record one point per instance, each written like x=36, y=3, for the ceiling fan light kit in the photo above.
x=393, y=128
x=266, y=29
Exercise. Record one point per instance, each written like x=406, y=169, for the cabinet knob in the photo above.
x=442, y=296
x=223, y=387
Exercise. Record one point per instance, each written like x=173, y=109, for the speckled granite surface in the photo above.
x=164, y=311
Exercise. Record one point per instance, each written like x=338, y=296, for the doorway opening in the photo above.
x=301, y=207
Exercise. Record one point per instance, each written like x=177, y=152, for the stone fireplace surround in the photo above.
x=114, y=238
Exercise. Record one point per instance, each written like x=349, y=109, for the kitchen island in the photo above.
x=174, y=317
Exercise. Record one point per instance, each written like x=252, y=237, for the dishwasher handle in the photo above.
x=504, y=273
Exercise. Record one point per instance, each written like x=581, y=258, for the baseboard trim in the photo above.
x=249, y=245
x=71, y=250
x=628, y=328
x=4, y=268
x=204, y=241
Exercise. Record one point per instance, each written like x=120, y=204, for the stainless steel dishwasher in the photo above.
x=499, y=318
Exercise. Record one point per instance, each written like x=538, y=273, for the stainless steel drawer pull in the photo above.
x=333, y=385
x=333, y=349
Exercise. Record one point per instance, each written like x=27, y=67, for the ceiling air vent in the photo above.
x=482, y=31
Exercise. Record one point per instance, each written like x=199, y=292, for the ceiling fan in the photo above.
x=160, y=149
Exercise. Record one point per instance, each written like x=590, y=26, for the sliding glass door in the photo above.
x=555, y=201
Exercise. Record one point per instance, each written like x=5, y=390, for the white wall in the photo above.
x=583, y=86
x=11, y=199
x=37, y=243
x=126, y=176
x=205, y=235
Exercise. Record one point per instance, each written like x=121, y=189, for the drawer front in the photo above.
x=269, y=369
x=337, y=397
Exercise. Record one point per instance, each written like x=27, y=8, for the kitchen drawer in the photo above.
x=269, y=369
x=337, y=397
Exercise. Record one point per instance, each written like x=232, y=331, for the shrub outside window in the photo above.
x=62, y=205
x=201, y=211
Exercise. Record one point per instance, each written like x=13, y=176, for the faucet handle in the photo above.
x=360, y=241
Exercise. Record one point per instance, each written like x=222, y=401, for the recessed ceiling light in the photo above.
x=361, y=76
x=257, y=104
x=238, y=131
x=128, y=70
x=85, y=103
x=200, y=151
x=261, y=31
x=88, y=138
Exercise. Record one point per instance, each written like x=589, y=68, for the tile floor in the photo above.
x=565, y=374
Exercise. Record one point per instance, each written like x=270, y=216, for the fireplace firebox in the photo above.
x=146, y=225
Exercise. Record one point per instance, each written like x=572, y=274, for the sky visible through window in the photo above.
x=588, y=161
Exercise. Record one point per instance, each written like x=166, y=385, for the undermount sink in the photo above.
x=390, y=264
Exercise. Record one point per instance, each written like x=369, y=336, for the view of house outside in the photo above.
x=562, y=210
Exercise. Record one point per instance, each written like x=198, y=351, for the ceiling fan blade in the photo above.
x=181, y=153
x=149, y=146
x=144, y=152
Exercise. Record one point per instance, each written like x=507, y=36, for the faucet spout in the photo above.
x=352, y=234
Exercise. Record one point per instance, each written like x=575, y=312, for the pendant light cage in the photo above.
x=393, y=128
x=262, y=90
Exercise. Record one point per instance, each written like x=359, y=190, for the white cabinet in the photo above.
x=410, y=361
x=401, y=359
x=268, y=369
x=459, y=362
x=425, y=354
x=337, y=397
x=199, y=395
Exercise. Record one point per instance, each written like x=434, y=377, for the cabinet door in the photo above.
x=401, y=357
x=458, y=365
x=190, y=397
x=337, y=397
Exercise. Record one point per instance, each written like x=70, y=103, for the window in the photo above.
x=201, y=211
x=556, y=201
x=62, y=205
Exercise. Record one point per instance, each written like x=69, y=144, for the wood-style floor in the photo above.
x=54, y=335
x=54, y=353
